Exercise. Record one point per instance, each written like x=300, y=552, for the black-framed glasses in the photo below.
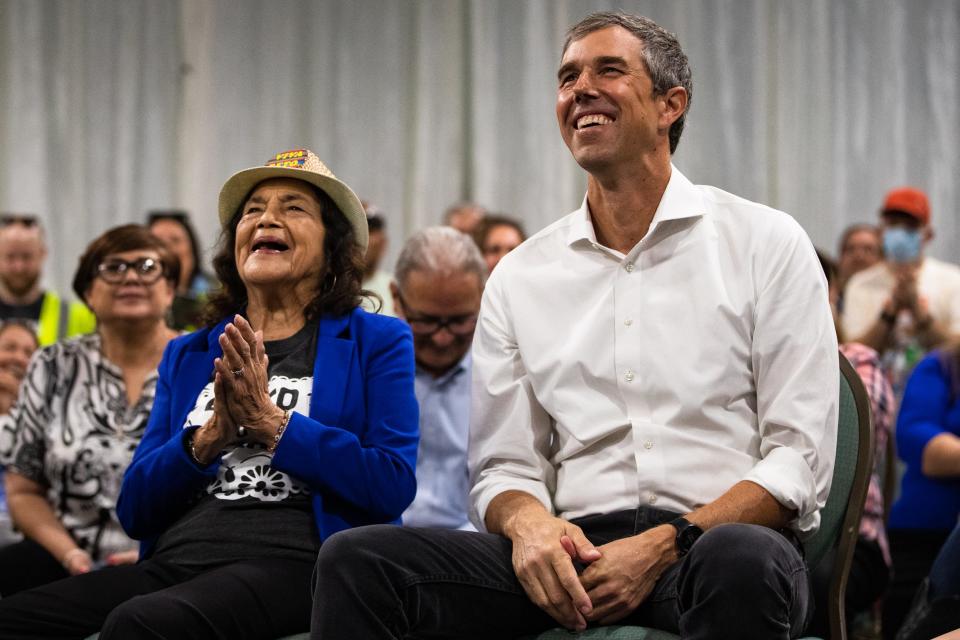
x=427, y=325
x=147, y=270
x=26, y=219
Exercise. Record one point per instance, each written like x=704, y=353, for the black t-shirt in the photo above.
x=29, y=312
x=252, y=510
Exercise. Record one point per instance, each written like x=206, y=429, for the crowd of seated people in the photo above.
x=71, y=528
x=65, y=454
x=901, y=310
x=226, y=452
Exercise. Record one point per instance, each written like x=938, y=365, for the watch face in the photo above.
x=688, y=536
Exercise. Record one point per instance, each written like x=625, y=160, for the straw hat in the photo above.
x=299, y=164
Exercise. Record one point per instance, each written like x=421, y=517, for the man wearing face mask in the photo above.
x=908, y=303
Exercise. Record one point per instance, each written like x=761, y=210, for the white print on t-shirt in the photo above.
x=245, y=470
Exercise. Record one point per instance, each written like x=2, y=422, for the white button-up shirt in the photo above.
x=705, y=356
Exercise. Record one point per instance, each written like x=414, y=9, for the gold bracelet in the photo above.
x=193, y=449
x=279, y=434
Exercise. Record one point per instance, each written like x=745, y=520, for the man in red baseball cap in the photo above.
x=908, y=303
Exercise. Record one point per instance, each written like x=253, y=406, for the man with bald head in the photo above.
x=23, y=252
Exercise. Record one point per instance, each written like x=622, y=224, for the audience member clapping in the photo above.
x=908, y=303
x=271, y=431
x=497, y=235
x=82, y=409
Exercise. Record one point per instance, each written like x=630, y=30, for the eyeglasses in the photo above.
x=147, y=270
x=27, y=220
x=426, y=325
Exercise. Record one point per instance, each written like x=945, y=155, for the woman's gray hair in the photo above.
x=665, y=60
x=440, y=250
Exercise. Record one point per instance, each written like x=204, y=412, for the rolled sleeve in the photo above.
x=796, y=368
x=785, y=474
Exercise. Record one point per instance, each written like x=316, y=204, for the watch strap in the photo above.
x=687, y=534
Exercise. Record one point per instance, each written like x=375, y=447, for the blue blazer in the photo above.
x=357, y=449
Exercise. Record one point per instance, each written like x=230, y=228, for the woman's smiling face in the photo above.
x=280, y=234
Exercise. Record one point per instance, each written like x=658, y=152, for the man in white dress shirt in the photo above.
x=654, y=411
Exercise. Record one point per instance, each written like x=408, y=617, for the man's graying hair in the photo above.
x=666, y=62
x=440, y=250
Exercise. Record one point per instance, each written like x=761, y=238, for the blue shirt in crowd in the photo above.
x=442, y=479
x=929, y=407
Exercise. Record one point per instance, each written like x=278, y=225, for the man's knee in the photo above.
x=356, y=551
x=744, y=575
x=742, y=558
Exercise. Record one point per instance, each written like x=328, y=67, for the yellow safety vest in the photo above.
x=50, y=329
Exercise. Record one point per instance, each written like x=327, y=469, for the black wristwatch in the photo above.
x=687, y=534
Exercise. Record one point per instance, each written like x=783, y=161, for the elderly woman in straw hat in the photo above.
x=291, y=418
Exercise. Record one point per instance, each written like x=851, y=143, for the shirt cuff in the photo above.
x=785, y=474
x=486, y=490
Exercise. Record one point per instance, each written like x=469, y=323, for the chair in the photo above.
x=839, y=519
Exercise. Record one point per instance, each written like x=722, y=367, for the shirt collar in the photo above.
x=681, y=199
x=447, y=376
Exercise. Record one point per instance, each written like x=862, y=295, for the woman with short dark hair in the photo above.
x=290, y=418
x=82, y=409
x=174, y=228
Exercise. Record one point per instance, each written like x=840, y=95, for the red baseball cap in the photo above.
x=910, y=201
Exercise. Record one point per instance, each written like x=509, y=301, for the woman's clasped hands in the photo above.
x=242, y=408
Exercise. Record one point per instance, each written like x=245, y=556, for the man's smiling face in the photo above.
x=606, y=108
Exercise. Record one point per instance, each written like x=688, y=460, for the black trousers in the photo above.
x=913, y=552
x=263, y=598
x=380, y=582
x=25, y=565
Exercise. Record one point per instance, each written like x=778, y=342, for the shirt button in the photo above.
x=648, y=445
x=629, y=267
x=653, y=498
x=628, y=322
x=629, y=376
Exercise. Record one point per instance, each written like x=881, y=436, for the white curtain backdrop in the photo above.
x=110, y=108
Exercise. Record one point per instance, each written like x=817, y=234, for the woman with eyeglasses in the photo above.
x=289, y=417
x=82, y=409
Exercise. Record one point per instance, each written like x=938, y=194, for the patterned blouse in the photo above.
x=72, y=431
x=867, y=363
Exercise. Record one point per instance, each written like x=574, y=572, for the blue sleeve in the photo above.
x=923, y=410
x=373, y=469
x=161, y=479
